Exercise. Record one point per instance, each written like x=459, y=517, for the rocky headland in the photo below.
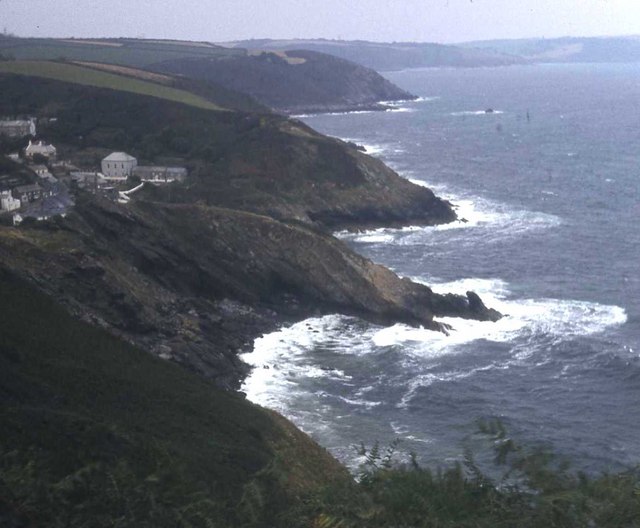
x=196, y=284
x=294, y=81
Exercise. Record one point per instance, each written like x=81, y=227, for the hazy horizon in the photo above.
x=443, y=21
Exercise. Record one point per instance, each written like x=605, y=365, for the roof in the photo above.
x=14, y=122
x=40, y=145
x=119, y=156
x=28, y=188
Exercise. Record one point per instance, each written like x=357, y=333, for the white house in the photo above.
x=118, y=166
x=8, y=202
x=18, y=128
x=40, y=147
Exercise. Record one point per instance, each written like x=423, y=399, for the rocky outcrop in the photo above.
x=195, y=284
x=292, y=173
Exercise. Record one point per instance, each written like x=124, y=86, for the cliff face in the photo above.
x=294, y=81
x=196, y=284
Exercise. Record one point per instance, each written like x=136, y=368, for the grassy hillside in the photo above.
x=94, y=432
x=75, y=74
x=129, y=52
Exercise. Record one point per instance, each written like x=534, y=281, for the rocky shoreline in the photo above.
x=196, y=284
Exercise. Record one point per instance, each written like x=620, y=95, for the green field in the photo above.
x=128, y=52
x=71, y=73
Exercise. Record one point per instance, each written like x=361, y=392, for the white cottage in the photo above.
x=40, y=147
x=118, y=166
x=8, y=202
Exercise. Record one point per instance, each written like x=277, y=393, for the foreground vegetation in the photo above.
x=527, y=489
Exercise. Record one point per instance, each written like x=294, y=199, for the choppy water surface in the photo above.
x=549, y=187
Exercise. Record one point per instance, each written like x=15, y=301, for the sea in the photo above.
x=542, y=164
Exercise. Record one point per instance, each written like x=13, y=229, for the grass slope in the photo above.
x=129, y=52
x=101, y=79
x=94, y=432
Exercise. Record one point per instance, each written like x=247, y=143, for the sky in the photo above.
x=443, y=21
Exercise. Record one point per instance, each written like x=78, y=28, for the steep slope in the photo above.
x=294, y=81
x=388, y=56
x=196, y=284
x=94, y=432
x=255, y=162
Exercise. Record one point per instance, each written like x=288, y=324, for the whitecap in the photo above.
x=280, y=358
x=401, y=109
x=476, y=112
x=503, y=221
x=523, y=318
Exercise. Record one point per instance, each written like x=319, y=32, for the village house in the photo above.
x=88, y=181
x=18, y=128
x=8, y=202
x=28, y=193
x=155, y=174
x=41, y=148
x=42, y=171
x=118, y=166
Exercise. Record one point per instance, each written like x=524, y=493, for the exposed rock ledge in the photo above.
x=197, y=284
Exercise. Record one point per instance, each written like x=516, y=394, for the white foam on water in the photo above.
x=503, y=221
x=476, y=112
x=401, y=109
x=480, y=211
x=372, y=149
x=523, y=318
x=280, y=359
x=351, y=112
x=403, y=102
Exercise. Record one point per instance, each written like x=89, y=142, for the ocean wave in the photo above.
x=348, y=112
x=284, y=361
x=477, y=112
x=401, y=109
x=280, y=359
x=402, y=102
x=524, y=318
x=500, y=220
